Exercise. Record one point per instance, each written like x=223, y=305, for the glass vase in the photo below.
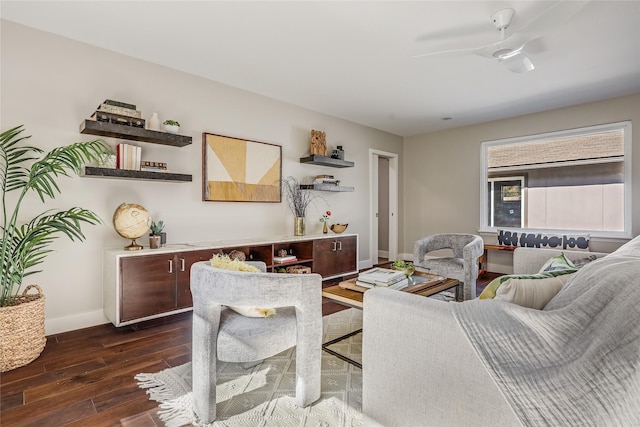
x=325, y=229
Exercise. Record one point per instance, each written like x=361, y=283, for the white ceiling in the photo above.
x=354, y=60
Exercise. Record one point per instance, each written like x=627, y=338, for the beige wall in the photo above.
x=442, y=170
x=50, y=84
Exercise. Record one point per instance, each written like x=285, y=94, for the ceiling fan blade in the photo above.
x=453, y=34
x=546, y=21
x=447, y=52
x=516, y=62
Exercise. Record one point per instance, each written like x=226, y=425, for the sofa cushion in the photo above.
x=556, y=263
x=490, y=291
x=224, y=262
x=531, y=293
x=557, y=266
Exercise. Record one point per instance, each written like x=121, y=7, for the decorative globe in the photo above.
x=131, y=221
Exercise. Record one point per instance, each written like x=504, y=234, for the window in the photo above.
x=576, y=180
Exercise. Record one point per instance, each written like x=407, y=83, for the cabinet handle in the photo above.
x=181, y=264
x=339, y=246
x=170, y=266
x=333, y=246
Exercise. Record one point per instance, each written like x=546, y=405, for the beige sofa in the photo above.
x=420, y=367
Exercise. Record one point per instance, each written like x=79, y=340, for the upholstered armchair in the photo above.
x=220, y=333
x=463, y=265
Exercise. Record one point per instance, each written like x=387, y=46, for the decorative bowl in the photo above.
x=406, y=267
x=338, y=228
x=408, y=271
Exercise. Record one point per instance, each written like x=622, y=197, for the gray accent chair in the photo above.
x=463, y=265
x=220, y=333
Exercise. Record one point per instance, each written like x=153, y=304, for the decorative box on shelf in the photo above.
x=298, y=269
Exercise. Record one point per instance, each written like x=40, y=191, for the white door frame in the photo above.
x=373, y=203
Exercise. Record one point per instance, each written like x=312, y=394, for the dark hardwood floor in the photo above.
x=86, y=377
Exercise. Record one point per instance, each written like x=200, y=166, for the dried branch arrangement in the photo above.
x=298, y=199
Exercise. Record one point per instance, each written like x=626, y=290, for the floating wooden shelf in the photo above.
x=93, y=127
x=95, y=172
x=316, y=159
x=325, y=187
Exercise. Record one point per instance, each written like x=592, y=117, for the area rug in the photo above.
x=264, y=394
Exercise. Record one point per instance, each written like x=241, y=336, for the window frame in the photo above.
x=625, y=126
x=492, y=181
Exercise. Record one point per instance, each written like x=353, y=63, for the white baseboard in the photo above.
x=71, y=323
x=365, y=264
x=383, y=254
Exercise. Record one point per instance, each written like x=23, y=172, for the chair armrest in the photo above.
x=418, y=366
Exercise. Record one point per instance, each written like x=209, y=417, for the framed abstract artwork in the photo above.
x=239, y=170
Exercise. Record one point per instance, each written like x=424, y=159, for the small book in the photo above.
x=287, y=258
x=400, y=284
x=381, y=276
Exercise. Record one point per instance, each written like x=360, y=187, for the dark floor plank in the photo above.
x=11, y=401
x=112, y=417
x=53, y=376
x=78, y=392
x=59, y=416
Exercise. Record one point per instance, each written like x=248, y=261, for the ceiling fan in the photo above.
x=509, y=49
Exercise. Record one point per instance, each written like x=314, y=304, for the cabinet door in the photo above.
x=323, y=256
x=148, y=285
x=333, y=257
x=346, y=253
x=184, y=260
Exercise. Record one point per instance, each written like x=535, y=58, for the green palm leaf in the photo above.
x=26, y=246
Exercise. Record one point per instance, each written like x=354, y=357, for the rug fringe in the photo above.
x=178, y=412
x=158, y=390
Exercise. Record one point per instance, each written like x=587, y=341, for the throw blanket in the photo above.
x=577, y=363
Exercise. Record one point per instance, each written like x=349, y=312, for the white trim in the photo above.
x=625, y=126
x=393, y=202
x=522, y=204
x=77, y=321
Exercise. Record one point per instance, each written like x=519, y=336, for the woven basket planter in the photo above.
x=22, y=330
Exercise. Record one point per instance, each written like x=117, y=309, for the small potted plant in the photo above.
x=155, y=238
x=171, y=126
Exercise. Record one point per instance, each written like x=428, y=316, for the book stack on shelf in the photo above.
x=128, y=156
x=384, y=277
x=284, y=259
x=153, y=166
x=120, y=113
x=326, y=180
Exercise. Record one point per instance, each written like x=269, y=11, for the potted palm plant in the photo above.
x=25, y=243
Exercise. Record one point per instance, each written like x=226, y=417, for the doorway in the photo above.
x=383, y=196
